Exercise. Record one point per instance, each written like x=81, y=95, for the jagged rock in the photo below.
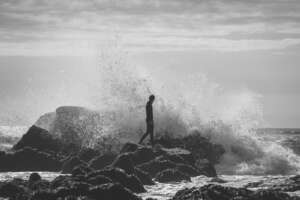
x=217, y=192
x=11, y=190
x=61, y=181
x=199, y=146
x=155, y=166
x=102, y=161
x=129, y=147
x=183, y=153
x=81, y=170
x=188, y=170
x=206, y=168
x=71, y=163
x=143, y=176
x=118, y=175
x=124, y=161
x=87, y=154
x=29, y=159
x=99, y=180
x=111, y=192
x=142, y=155
x=76, y=189
x=39, y=139
x=174, y=158
x=171, y=175
x=43, y=195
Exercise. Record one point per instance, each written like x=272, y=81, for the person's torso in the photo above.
x=149, y=112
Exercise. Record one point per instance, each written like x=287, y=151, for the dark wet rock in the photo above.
x=71, y=163
x=142, y=155
x=188, y=170
x=111, y=192
x=206, y=168
x=81, y=170
x=61, y=181
x=199, y=146
x=171, y=175
x=76, y=189
x=174, y=158
x=124, y=161
x=39, y=185
x=143, y=176
x=99, y=180
x=155, y=166
x=39, y=139
x=183, y=153
x=87, y=154
x=43, y=195
x=29, y=159
x=11, y=190
x=118, y=175
x=130, y=147
x=34, y=177
x=217, y=192
x=102, y=161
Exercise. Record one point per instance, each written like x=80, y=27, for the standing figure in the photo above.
x=149, y=120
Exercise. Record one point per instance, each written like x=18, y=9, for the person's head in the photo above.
x=151, y=98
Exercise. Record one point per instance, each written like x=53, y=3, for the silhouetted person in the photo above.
x=149, y=120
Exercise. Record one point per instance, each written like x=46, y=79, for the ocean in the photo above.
x=288, y=139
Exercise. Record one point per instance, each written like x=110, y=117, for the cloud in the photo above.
x=29, y=25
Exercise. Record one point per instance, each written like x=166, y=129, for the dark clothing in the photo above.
x=149, y=112
x=150, y=123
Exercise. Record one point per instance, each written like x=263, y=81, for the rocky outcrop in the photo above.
x=71, y=163
x=39, y=139
x=199, y=146
x=73, y=124
x=118, y=175
x=65, y=187
x=29, y=159
x=217, y=192
x=102, y=161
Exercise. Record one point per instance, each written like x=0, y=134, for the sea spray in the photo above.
x=227, y=118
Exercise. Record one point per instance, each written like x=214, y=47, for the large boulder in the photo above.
x=29, y=159
x=200, y=146
x=102, y=161
x=40, y=139
x=155, y=166
x=71, y=163
x=118, y=175
x=12, y=191
x=124, y=161
x=73, y=124
x=144, y=177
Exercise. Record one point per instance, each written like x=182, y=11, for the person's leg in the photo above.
x=142, y=139
x=145, y=135
x=151, y=129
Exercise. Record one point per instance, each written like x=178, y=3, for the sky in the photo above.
x=251, y=44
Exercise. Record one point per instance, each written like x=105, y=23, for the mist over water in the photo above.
x=119, y=90
x=193, y=104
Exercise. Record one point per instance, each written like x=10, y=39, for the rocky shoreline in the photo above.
x=90, y=174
